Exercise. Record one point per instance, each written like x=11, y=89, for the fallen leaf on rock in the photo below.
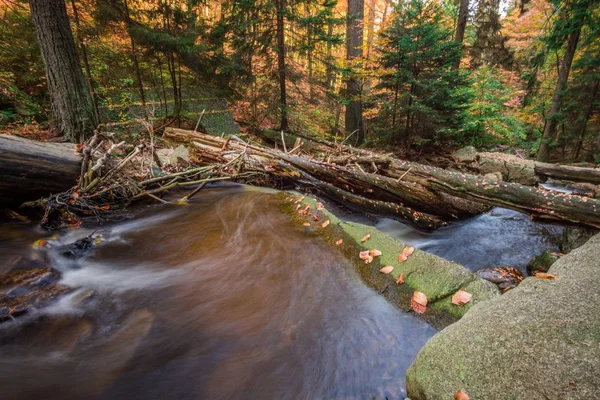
x=316, y=217
x=300, y=199
x=400, y=279
x=408, y=251
x=325, y=224
x=418, y=302
x=39, y=243
x=387, y=269
x=298, y=206
x=402, y=257
x=461, y=298
x=364, y=254
x=375, y=253
x=544, y=275
x=367, y=237
x=306, y=224
x=339, y=242
x=319, y=206
x=460, y=395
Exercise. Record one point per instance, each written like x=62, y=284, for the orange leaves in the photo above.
x=387, y=269
x=400, y=279
x=104, y=207
x=306, y=224
x=544, y=275
x=339, y=242
x=460, y=395
x=418, y=302
x=325, y=224
x=305, y=210
x=375, y=253
x=407, y=252
x=364, y=239
x=461, y=298
x=366, y=256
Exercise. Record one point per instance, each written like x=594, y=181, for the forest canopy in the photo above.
x=405, y=73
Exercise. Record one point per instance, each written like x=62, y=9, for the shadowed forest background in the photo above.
x=404, y=75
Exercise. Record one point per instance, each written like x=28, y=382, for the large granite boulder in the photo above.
x=538, y=341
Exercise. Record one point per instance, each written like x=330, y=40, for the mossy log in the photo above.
x=32, y=170
x=568, y=172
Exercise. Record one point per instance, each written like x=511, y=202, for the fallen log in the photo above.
x=32, y=170
x=430, y=190
x=568, y=173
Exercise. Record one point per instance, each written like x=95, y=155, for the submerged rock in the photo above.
x=24, y=289
x=538, y=341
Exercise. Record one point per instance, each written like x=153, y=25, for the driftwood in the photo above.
x=31, y=170
x=436, y=193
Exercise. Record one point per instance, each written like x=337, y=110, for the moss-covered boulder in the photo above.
x=538, y=341
x=437, y=278
x=542, y=263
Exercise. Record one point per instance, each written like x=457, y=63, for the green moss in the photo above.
x=437, y=278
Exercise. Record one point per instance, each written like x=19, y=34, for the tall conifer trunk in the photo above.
x=461, y=25
x=281, y=63
x=354, y=44
x=72, y=107
x=561, y=84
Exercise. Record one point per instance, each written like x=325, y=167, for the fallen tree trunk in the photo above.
x=568, y=173
x=432, y=191
x=32, y=170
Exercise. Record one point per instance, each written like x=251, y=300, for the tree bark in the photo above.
x=284, y=125
x=461, y=25
x=136, y=64
x=561, y=84
x=31, y=170
x=354, y=44
x=72, y=105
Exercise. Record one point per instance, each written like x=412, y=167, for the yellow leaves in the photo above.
x=364, y=239
x=400, y=279
x=306, y=224
x=298, y=201
x=38, y=244
x=339, y=242
x=460, y=395
x=387, y=269
x=544, y=275
x=407, y=252
x=418, y=302
x=325, y=224
x=319, y=206
x=461, y=298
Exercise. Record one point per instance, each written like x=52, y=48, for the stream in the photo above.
x=226, y=298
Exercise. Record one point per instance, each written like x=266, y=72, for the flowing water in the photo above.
x=222, y=298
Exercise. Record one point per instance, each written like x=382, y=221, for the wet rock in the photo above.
x=466, y=154
x=539, y=341
x=573, y=238
x=505, y=277
x=512, y=168
x=24, y=289
x=80, y=247
x=542, y=263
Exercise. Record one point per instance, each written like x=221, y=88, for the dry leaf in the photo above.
x=39, y=243
x=306, y=224
x=418, y=302
x=339, y=242
x=461, y=298
x=319, y=206
x=400, y=279
x=375, y=253
x=298, y=206
x=460, y=395
x=402, y=257
x=325, y=224
x=544, y=275
x=367, y=237
x=300, y=199
x=316, y=217
x=387, y=269
x=408, y=251
x=364, y=254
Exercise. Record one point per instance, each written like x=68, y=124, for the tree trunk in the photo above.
x=86, y=61
x=354, y=43
x=461, y=25
x=136, y=63
x=72, y=105
x=284, y=126
x=561, y=84
x=588, y=115
x=31, y=170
